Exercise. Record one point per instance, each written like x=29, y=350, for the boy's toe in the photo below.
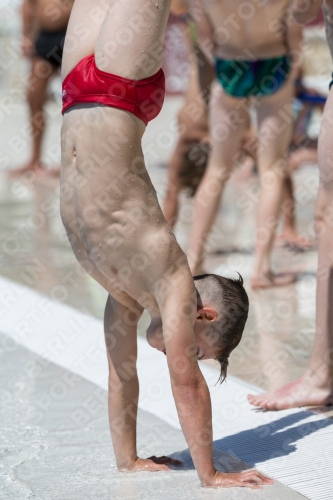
x=255, y=400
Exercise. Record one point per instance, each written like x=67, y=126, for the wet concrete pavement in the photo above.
x=56, y=445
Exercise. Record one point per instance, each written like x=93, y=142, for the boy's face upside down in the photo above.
x=205, y=337
x=221, y=314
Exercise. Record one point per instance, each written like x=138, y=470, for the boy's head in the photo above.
x=193, y=165
x=222, y=312
x=222, y=309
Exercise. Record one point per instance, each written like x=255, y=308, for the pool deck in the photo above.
x=56, y=441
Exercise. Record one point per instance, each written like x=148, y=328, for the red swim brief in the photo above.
x=87, y=83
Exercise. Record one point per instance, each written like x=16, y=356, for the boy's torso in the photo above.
x=134, y=239
x=248, y=30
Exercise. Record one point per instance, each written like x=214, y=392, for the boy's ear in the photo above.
x=206, y=313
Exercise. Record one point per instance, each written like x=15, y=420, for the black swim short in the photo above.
x=49, y=46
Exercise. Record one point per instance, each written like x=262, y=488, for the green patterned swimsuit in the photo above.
x=262, y=77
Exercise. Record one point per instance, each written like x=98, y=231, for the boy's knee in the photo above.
x=235, y=119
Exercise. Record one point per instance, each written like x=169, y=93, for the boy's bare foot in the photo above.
x=35, y=167
x=301, y=392
x=294, y=240
x=49, y=172
x=270, y=280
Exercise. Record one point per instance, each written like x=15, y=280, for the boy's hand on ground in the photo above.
x=153, y=464
x=247, y=479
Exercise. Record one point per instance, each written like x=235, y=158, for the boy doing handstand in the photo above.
x=112, y=86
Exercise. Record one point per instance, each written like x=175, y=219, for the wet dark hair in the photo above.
x=193, y=165
x=232, y=304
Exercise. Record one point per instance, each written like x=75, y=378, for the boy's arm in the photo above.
x=121, y=342
x=205, y=30
x=305, y=11
x=294, y=34
x=188, y=385
x=190, y=391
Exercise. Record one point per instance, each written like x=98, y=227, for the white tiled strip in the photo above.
x=293, y=446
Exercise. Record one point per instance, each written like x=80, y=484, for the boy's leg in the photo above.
x=288, y=207
x=228, y=120
x=84, y=25
x=133, y=48
x=126, y=36
x=41, y=72
x=315, y=387
x=275, y=125
x=289, y=235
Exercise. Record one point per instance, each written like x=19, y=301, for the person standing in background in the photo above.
x=315, y=386
x=44, y=25
x=256, y=64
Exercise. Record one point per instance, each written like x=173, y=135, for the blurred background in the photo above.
x=34, y=248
